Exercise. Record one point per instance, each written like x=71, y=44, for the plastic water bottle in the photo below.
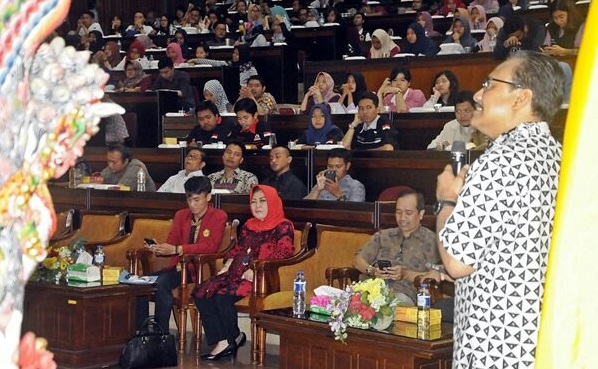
x=423, y=312
x=299, y=294
x=140, y=180
x=321, y=19
x=391, y=32
x=99, y=258
x=492, y=43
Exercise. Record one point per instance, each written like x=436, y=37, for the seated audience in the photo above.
x=195, y=160
x=114, y=126
x=444, y=89
x=136, y=52
x=179, y=16
x=564, y=31
x=491, y=6
x=136, y=80
x=242, y=60
x=488, y=43
x=174, y=53
x=219, y=35
x=250, y=130
x=519, y=34
x=286, y=183
x=462, y=35
x=426, y=21
x=353, y=87
x=396, y=93
x=110, y=57
x=268, y=235
x=165, y=26
x=139, y=26
x=87, y=23
x=177, y=80
x=122, y=169
x=409, y=247
x=450, y=6
x=370, y=131
x=211, y=127
x=180, y=36
x=458, y=129
x=256, y=91
x=382, y=45
x=478, y=17
x=337, y=185
x=214, y=92
x=202, y=54
x=321, y=92
x=197, y=229
x=359, y=21
x=117, y=27
x=320, y=129
x=418, y=43
x=232, y=178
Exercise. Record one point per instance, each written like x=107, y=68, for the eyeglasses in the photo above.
x=193, y=157
x=486, y=84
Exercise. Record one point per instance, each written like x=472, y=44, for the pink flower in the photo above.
x=367, y=313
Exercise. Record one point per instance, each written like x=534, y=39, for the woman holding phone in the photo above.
x=268, y=235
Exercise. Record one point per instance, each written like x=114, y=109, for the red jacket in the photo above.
x=208, y=239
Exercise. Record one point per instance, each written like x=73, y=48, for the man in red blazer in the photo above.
x=195, y=230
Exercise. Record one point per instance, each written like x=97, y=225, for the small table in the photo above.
x=310, y=344
x=86, y=327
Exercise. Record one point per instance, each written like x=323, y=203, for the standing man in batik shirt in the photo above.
x=496, y=217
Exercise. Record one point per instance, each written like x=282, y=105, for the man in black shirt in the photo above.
x=370, y=131
x=211, y=127
x=284, y=180
x=250, y=130
x=175, y=80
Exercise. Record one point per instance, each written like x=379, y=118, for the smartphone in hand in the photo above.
x=330, y=174
x=149, y=242
x=383, y=264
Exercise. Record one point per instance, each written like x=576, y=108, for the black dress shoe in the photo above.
x=231, y=349
x=242, y=340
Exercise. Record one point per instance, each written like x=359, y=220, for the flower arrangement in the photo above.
x=54, y=267
x=365, y=304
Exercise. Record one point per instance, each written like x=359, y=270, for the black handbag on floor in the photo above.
x=150, y=348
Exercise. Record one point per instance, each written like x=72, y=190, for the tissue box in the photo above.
x=111, y=274
x=83, y=273
x=410, y=330
x=409, y=314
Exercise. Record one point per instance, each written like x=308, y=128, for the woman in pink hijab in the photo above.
x=320, y=93
x=478, y=17
x=425, y=19
x=174, y=52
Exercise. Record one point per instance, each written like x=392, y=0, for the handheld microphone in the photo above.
x=437, y=267
x=458, y=155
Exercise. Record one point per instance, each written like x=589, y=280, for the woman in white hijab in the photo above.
x=382, y=45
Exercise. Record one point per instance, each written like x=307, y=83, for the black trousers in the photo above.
x=219, y=317
x=167, y=281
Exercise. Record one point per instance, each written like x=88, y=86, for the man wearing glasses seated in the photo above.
x=194, y=162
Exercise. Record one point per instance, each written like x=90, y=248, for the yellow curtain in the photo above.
x=569, y=323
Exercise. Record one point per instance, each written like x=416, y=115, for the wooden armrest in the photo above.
x=63, y=236
x=343, y=275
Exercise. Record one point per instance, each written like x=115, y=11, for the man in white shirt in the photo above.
x=194, y=162
x=87, y=23
x=458, y=129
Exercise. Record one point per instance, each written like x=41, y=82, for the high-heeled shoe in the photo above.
x=231, y=349
x=242, y=340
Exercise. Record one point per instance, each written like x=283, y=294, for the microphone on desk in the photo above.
x=458, y=155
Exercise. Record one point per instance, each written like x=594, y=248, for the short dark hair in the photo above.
x=257, y=77
x=90, y=13
x=201, y=152
x=239, y=144
x=369, y=95
x=465, y=96
x=165, y=62
x=219, y=21
x=207, y=105
x=246, y=104
x=197, y=186
x=340, y=153
x=544, y=76
x=398, y=70
x=418, y=195
x=125, y=153
x=288, y=151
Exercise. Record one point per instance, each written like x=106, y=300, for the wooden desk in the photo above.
x=308, y=344
x=86, y=327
